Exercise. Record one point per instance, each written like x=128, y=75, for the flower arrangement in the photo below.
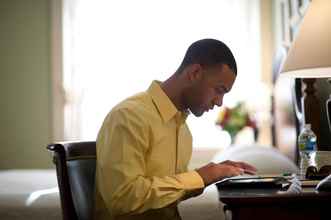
x=233, y=120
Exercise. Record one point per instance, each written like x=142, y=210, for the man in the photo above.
x=144, y=144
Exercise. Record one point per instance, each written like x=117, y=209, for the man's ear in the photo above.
x=194, y=72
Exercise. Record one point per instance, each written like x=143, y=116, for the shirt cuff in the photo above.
x=191, y=180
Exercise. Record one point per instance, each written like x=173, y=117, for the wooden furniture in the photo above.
x=274, y=204
x=75, y=169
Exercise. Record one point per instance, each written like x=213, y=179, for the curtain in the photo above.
x=114, y=49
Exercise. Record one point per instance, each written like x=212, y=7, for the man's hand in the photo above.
x=214, y=172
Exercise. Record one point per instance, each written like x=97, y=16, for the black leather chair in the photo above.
x=75, y=169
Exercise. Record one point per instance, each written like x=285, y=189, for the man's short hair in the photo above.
x=208, y=53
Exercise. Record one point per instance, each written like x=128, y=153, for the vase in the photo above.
x=233, y=137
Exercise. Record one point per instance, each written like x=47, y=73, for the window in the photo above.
x=113, y=49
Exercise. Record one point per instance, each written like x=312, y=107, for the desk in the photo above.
x=274, y=204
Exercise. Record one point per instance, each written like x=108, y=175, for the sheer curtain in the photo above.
x=113, y=49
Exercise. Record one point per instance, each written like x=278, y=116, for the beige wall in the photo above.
x=25, y=85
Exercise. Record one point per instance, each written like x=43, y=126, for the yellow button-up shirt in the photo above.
x=143, y=149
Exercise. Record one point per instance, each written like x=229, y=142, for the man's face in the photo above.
x=209, y=89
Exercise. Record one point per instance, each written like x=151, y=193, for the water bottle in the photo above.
x=307, y=149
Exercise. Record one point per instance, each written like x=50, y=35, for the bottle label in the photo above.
x=311, y=145
x=302, y=146
x=307, y=140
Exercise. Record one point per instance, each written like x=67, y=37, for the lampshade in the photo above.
x=310, y=53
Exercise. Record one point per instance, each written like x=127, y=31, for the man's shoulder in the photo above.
x=139, y=105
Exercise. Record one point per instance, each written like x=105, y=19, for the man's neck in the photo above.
x=173, y=90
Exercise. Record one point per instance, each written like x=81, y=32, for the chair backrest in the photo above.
x=75, y=169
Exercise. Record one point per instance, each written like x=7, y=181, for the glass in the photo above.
x=307, y=159
x=315, y=165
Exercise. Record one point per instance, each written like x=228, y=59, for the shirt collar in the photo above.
x=164, y=105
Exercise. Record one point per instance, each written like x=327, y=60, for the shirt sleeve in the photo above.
x=123, y=184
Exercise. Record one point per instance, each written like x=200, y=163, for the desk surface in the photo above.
x=241, y=196
x=273, y=203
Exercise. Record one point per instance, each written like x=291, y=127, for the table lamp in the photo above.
x=310, y=57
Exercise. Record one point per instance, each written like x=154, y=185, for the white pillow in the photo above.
x=267, y=160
